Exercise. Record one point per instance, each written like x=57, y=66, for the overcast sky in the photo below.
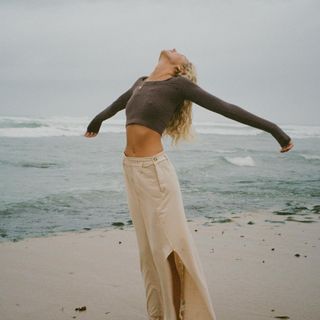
x=74, y=58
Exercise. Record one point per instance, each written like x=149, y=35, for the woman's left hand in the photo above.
x=287, y=147
x=90, y=134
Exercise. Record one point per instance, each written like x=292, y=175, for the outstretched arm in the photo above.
x=111, y=110
x=193, y=92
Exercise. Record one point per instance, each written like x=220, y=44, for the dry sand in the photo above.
x=47, y=278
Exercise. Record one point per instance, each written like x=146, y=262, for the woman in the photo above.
x=157, y=105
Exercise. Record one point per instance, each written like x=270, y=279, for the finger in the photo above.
x=287, y=148
x=90, y=134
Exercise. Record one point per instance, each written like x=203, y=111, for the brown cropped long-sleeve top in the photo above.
x=152, y=104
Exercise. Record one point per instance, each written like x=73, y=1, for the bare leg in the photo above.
x=176, y=283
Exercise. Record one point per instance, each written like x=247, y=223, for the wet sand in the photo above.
x=258, y=266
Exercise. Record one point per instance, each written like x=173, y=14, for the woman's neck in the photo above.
x=162, y=72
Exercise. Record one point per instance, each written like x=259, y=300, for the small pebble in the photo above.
x=81, y=308
x=118, y=224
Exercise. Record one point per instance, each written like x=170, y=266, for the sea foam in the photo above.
x=241, y=161
x=33, y=127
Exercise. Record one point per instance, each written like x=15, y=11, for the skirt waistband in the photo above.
x=140, y=161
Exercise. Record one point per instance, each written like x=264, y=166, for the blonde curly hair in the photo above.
x=180, y=125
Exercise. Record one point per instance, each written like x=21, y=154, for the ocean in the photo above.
x=53, y=179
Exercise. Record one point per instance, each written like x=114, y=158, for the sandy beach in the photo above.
x=258, y=266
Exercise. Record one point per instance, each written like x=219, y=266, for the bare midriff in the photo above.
x=142, y=141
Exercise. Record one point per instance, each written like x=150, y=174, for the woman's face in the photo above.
x=174, y=57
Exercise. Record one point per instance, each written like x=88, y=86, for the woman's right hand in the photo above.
x=90, y=134
x=287, y=147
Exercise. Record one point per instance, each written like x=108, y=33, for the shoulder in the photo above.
x=141, y=78
x=138, y=81
x=183, y=83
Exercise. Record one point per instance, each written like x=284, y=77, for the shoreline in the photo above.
x=303, y=212
x=258, y=270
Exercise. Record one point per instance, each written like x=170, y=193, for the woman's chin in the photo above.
x=162, y=53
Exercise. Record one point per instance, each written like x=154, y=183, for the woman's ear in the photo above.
x=178, y=69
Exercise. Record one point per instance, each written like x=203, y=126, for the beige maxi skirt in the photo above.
x=156, y=208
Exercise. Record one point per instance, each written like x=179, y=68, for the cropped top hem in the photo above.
x=145, y=124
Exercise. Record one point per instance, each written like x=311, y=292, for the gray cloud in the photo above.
x=76, y=57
